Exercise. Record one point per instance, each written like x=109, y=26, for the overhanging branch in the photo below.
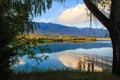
x=97, y=13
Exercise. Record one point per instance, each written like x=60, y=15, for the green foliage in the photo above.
x=16, y=15
x=25, y=46
x=15, y=19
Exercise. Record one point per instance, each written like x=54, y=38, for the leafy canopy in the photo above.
x=15, y=19
x=16, y=14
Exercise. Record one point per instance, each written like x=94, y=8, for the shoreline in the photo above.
x=53, y=39
x=103, y=39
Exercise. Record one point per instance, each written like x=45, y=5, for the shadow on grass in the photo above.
x=64, y=75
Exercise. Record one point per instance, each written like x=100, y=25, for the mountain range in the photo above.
x=57, y=29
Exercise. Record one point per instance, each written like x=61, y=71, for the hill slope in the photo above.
x=57, y=29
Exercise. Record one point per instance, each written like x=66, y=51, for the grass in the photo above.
x=64, y=75
x=52, y=39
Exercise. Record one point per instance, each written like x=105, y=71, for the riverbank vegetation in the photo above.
x=64, y=75
x=52, y=39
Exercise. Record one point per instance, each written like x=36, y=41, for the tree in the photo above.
x=15, y=19
x=112, y=23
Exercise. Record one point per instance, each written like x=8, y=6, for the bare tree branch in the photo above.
x=98, y=14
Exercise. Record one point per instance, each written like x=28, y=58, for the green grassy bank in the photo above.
x=64, y=75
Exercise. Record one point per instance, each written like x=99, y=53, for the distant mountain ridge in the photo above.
x=57, y=29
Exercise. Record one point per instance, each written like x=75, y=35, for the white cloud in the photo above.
x=46, y=20
x=74, y=15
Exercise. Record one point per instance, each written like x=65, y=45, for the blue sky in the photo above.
x=70, y=13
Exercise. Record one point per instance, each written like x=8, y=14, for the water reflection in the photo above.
x=57, y=47
x=64, y=55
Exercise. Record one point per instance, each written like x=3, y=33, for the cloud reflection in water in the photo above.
x=60, y=60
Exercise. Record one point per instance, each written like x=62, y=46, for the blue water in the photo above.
x=62, y=55
x=57, y=47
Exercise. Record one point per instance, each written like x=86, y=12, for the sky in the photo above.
x=71, y=13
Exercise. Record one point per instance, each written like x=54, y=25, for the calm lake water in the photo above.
x=63, y=55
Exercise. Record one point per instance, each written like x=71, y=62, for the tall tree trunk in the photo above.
x=116, y=52
x=5, y=51
x=113, y=26
x=4, y=64
x=115, y=34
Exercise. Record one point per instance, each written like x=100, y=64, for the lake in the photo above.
x=63, y=55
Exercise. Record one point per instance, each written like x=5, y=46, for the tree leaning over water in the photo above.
x=15, y=19
x=112, y=23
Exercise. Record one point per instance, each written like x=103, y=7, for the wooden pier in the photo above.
x=103, y=62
